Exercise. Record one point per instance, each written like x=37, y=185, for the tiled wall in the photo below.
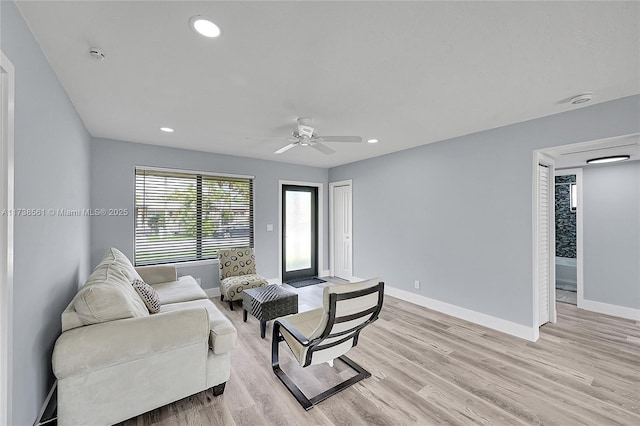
x=565, y=218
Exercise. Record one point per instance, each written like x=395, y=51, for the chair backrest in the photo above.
x=348, y=308
x=236, y=261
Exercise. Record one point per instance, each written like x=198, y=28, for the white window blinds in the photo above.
x=182, y=216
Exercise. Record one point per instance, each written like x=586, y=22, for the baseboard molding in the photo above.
x=212, y=292
x=273, y=280
x=498, y=324
x=325, y=273
x=608, y=309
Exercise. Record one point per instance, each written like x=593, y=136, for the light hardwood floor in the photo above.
x=430, y=368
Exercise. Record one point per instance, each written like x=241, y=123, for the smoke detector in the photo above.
x=97, y=53
x=580, y=99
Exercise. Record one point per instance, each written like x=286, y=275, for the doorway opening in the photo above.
x=568, y=186
x=300, y=232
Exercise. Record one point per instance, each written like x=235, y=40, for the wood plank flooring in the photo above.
x=429, y=368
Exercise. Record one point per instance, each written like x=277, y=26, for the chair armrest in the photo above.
x=99, y=346
x=158, y=274
x=293, y=332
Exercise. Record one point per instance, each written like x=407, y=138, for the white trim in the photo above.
x=324, y=273
x=274, y=281
x=579, y=234
x=613, y=310
x=494, y=323
x=7, y=107
x=193, y=172
x=349, y=183
x=320, y=186
x=191, y=263
x=212, y=292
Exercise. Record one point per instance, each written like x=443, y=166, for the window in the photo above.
x=573, y=196
x=182, y=216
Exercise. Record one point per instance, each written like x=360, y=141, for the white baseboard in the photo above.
x=325, y=273
x=504, y=326
x=608, y=309
x=273, y=280
x=212, y=292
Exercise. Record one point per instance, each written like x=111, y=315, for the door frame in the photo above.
x=540, y=158
x=7, y=106
x=332, y=185
x=579, y=234
x=321, y=215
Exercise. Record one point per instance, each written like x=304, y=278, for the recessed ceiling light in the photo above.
x=580, y=99
x=204, y=26
x=373, y=141
x=166, y=129
x=610, y=159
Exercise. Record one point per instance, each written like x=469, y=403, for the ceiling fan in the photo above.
x=305, y=135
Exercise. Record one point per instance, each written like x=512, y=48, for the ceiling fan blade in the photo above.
x=285, y=148
x=323, y=148
x=339, y=139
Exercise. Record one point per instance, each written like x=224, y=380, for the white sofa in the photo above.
x=114, y=360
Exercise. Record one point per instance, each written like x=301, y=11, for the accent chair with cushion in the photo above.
x=324, y=334
x=237, y=273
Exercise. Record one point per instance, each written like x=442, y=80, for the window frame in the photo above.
x=199, y=177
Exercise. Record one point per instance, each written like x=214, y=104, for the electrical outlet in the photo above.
x=416, y=285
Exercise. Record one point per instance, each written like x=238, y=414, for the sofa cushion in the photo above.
x=112, y=298
x=102, y=303
x=183, y=290
x=113, y=255
x=148, y=295
x=223, y=334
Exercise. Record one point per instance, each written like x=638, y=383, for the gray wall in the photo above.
x=51, y=253
x=457, y=215
x=611, y=202
x=112, y=186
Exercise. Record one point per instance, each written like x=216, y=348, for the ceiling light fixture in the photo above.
x=610, y=159
x=204, y=26
x=580, y=99
x=373, y=141
x=166, y=129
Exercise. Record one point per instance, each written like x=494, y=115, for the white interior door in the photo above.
x=342, y=233
x=544, y=243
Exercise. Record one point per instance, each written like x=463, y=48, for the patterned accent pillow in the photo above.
x=148, y=295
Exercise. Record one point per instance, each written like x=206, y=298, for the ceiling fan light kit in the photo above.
x=305, y=135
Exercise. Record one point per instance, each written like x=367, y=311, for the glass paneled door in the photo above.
x=299, y=232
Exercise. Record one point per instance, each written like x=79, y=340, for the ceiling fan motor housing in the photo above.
x=305, y=130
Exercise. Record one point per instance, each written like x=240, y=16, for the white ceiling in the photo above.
x=406, y=73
